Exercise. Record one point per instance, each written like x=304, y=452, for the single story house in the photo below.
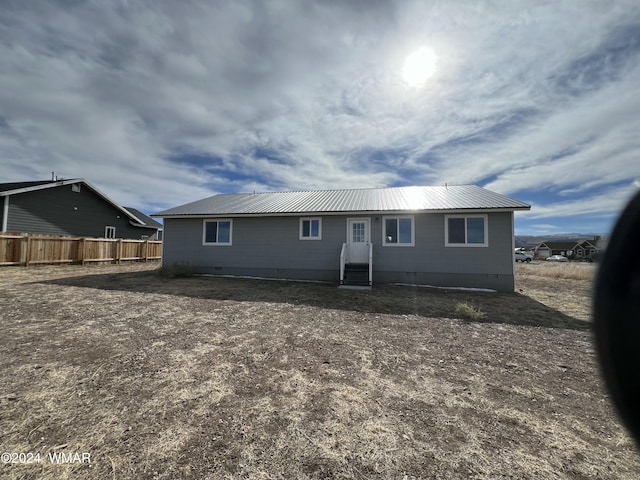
x=456, y=235
x=444, y=236
x=69, y=207
x=546, y=249
x=573, y=249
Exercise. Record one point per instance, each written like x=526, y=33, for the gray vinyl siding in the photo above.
x=61, y=211
x=270, y=247
x=263, y=246
x=430, y=262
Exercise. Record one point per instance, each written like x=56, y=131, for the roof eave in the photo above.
x=334, y=213
x=52, y=184
x=134, y=224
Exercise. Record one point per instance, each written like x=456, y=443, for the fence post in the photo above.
x=146, y=250
x=25, y=249
x=119, y=251
x=81, y=251
x=22, y=255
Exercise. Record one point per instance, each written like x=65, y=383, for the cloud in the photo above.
x=160, y=103
x=608, y=202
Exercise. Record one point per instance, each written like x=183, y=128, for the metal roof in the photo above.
x=394, y=199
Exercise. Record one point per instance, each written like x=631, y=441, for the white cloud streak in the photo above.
x=526, y=97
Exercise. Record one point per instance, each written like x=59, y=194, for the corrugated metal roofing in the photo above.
x=394, y=199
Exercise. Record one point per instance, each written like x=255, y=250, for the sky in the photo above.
x=159, y=103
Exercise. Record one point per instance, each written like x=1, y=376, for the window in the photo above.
x=310, y=229
x=465, y=231
x=398, y=231
x=109, y=232
x=358, y=232
x=75, y=187
x=217, y=232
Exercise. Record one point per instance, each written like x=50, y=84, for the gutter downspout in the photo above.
x=5, y=213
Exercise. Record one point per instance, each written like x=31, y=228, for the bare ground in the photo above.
x=204, y=377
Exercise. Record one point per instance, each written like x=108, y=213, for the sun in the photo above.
x=419, y=66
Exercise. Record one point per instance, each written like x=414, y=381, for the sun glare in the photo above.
x=419, y=66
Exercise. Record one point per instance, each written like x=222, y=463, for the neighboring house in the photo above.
x=546, y=249
x=585, y=249
x=149, y=222
x=68, y=207
x=459, y=235
x=573, y=249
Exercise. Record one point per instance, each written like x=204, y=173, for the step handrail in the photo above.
x=370, y=263
x=342, y=261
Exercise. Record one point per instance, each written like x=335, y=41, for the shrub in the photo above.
x=468, y=312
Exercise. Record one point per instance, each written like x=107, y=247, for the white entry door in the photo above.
x=358, y=240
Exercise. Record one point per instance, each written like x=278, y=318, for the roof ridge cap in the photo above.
x=351, y=189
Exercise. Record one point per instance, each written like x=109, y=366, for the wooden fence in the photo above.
x=32, y=249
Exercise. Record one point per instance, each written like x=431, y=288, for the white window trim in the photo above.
x=217, y=244
x=108, y=229
x=398, y=217
x=464, y=245
x=319, y=237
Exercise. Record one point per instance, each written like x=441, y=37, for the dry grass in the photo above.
x=176, y=270
x=561, y=286
x=219, y=378
x=568, y=270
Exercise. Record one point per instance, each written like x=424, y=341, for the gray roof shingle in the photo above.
x=7, y=187
x=393, y=199
x=148, y=221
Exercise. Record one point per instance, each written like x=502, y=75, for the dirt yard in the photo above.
x=135, y=375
